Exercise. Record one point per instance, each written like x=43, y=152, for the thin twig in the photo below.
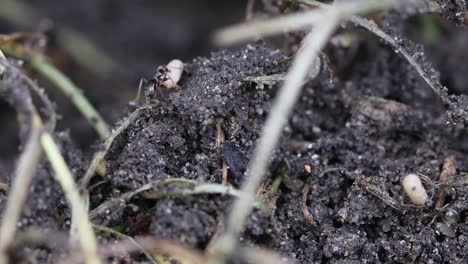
x=379, y=193
x=292, y=22
x=129, y=238
x=65, y=179
x=99, y=155
x=22, y=178
x=373, y=28
x=182, y=253
x=30, y=122
x=4, y=186
x=71, y=91
x=121, y=200
x=51, y=115
x=220, y=137
x=86, y=53
x=152, y=191
x=262, y=256
x=324, y=22
x=2, y=67
x=74, y=94
x=448, y=170
x=304, y=207
x=249, y=9
x=277, y=117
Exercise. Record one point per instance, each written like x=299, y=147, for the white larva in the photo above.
x=414, y=189
x=175, y=69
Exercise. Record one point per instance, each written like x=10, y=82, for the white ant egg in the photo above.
x=414, y=189
x=175, y=69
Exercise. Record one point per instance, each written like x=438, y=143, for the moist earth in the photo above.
x=351, y=139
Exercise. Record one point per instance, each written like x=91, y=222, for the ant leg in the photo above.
x=177, y=87
x=137, y=100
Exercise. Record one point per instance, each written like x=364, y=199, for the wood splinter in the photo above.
x=308, y=215
x=448, y=170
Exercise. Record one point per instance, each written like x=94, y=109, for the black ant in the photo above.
x=166, y=76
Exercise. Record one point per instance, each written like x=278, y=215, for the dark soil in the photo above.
x=356, y=131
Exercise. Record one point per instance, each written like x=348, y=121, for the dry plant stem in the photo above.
x=151, y=191
x=224, y=173
x=52, y=116
x=149, y=244
x=74, y=94
x=22, y=178
x=277, y=118
x=3, y=186
x=86, y=53
x=448, y=170
x=373, y=28
x=99, y=155
x=379, y=193
x=258, y=29
x=305, y=209
x=65, y=179
x=206, y=188
x=211, y=247
x=293, y=22
x=101, y=209
x=249, y=9
x=2, y=67
x=129, y=238
x=262, y=256
x=76, y=44
x=220, y=137
x=18, y=96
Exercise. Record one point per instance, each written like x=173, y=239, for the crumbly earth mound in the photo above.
x=351, y=135
x=356, y=131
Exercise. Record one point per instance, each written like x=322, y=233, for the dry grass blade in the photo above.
x=2, y=67
x=51, y=115
x=258, y=29
x=23, y=175
x=262, y=256
x=101, y=209
x=277, y=118
x=129, y=238
x=455, y=181
x=79, y=214
x=73, y=93
x=373, y=28
x=153, y=191
x=324, y=23
x=99, y=155
x=293, y=22
x=379, y=193
x=18, y=95
x=182, y=253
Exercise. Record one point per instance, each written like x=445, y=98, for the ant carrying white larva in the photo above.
x=166, y=76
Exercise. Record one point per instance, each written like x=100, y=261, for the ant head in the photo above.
x=161, y=70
